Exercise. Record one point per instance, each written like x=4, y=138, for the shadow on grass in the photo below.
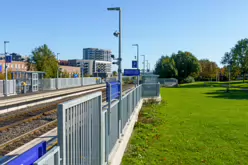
x=200, y=85
x=197, y=85
x=232, y=94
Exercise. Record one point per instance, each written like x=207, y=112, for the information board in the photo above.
x=131, y=72
x=134, y=64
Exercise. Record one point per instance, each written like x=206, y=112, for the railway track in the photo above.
x=32, y=113
x=17, y=129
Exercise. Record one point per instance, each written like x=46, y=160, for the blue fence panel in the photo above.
x=30, y=156
x=115, y=88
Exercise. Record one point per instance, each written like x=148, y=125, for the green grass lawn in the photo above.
x=234, y=84
x=192, y=126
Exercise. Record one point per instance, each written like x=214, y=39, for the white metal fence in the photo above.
x=168, y=82
x=11, y=90
x=60, y=83
x=83, y=135
x=151, y=90
x=79, y=130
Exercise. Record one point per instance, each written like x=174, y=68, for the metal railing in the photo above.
x=79, y=130
x=11, y=90
x=168, y=82
x=150, y=90
x=83, y=135
x=60, y=83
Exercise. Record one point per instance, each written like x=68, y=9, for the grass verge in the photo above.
x=192, y=126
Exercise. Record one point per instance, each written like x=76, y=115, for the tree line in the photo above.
x=186, y=67
x=236, y=60
x=44, y=59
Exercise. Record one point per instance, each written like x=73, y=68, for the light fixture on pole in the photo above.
x=82, y=64
x=119, y=59
x=6, y=69
x=144, y=66
x=58, y=71
x=137, y=45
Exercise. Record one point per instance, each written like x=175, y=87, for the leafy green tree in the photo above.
x=208, y=69
x=240, y=56
x=64, y=74
x=166, y=67
x=186, y=64
x=114, y=73
x=30, y=64
x=44, y=60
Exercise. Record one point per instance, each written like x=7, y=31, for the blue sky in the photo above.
x=207, y=28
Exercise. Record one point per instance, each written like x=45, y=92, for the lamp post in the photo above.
x=58, y=71
x=144, y=66
x=6, y=68
x=116, y=34
x=58, y=65
x=137, y=45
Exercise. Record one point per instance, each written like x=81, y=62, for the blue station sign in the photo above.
x=131, y=72
x=8, y=59
x=134, y=64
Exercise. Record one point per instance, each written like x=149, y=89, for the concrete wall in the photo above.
x=51, y=84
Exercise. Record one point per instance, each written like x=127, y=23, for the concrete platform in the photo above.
x=16, y=99
x=39, y=92
x=23, y=100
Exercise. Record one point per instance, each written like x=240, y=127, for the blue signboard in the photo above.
x=75, y=75
x=1, y=68
x=131, y=72
x=8, y=59
x=113, y=90
x=134, y=64
x=30, y=156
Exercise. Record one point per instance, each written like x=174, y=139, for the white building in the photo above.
x=97, y=68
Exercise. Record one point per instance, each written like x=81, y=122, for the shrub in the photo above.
x=189, y=79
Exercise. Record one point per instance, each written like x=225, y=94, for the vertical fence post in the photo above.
x=108, y=122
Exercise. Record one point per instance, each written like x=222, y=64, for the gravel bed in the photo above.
x=24, y=128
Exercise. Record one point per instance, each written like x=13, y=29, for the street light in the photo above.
x=58, y=65
x=144, y=64
x=58, y=71
x=137, y=45
x=117, y=34
x=6, y=68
